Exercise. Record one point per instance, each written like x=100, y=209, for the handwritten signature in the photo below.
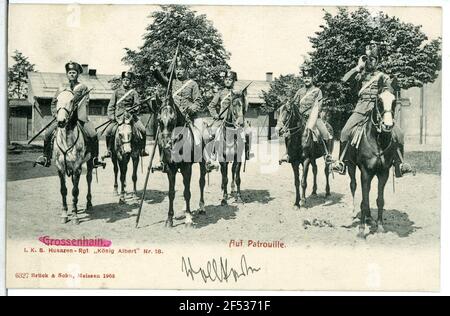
x=217, y=270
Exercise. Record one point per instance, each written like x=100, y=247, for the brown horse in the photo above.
x=179, y=152
x=374, y=157
x=302, y=150
x=71, y=154
x=126, y=145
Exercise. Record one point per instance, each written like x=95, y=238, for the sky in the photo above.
x=260, y=38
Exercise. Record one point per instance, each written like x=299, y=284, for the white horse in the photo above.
x=70, y=154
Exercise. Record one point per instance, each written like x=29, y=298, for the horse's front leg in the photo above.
x=116, y=171
x=187, y=174
x=171, y=176
x=202, y=182
x=352, y=174
x=123, y=164
x=233, y=178
x=306, y=164
x=224, y=172
x=89, y=182
x=327, y=179
x=75, y=191
x=314, y=170
x=134, y=175
x=366, y=179
x=63, y=190
x=382, y=179
x=237, y=176
x=295, y=168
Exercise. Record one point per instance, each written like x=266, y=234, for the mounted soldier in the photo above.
x=308, y=99
x=125, y=99
x=186, y=96
x=81, y=95
x=371, y=85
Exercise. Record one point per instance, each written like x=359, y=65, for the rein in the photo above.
x=377, y=125
x=65, y=152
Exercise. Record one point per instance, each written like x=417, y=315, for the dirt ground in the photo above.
x=412, y=216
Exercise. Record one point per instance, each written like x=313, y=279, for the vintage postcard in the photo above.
x=223, y=147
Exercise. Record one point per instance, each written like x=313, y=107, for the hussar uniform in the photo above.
x=124, y=100
x=369, y=86
x=78, y=89
x=309, y=103
x=227, y=107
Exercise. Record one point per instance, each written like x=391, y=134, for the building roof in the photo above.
x=45, y=84
x=18, y=103
x=254, y=91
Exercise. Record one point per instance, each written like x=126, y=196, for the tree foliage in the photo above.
x=405, y=53
x=17, y=76
x=200, y=43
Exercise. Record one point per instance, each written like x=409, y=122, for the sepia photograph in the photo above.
x=237, y=147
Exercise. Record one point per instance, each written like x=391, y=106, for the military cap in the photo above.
x=307, y=71
x=127, y=74
x=229, y=74
x=71, y=65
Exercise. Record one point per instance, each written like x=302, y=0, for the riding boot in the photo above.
x=285, y=157
x=93, y=149
x=143, y=143
x=211, y=165
x=339, y=165
x=401, y=167
x=108, y=148
x=46, y=159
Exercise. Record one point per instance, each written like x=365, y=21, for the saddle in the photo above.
x=357, y=132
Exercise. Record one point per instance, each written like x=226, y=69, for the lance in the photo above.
x=169, y=86
x=54, y=119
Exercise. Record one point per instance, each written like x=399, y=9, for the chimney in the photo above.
x=92, y=72
x=269, y=76
x=85, y=68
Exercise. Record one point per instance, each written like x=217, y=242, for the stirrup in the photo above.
x=404, y=168
x=160, y=167
x=285, y=158
x=210, y=167
x=328, y=159
x=338, y=166
x=96, y=163
x=43, y=161
x=106, y=155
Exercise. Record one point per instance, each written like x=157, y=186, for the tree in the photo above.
x=281, y=90
x=200, y=43
x=17, y=76
x=405, y=54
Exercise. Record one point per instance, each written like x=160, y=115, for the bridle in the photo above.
x=378, y=126
x=293, y=113
x=178, y=136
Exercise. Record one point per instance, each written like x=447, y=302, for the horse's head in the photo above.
x=288, y=119
x=167, y=120
x=64, y=108
x=125, y=133
x=385, y=111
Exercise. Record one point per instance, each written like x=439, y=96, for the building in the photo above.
x=421, y=114
x=20, y=119
x=42, y=87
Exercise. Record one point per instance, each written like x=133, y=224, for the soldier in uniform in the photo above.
x=309, y=101
x=224, y=104
x=124, y=99
x=370, y=83
x=73, y=70
x=185, y=94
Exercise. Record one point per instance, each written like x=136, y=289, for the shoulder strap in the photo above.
x=182, y=87
x=307, y=94
x=124, y=96
x=372, y=80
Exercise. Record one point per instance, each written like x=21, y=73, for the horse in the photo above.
x=230, y=146
x=302, y=150
x=374, y=157
x=125, y=146
x=178, y=151
x=70, y=154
